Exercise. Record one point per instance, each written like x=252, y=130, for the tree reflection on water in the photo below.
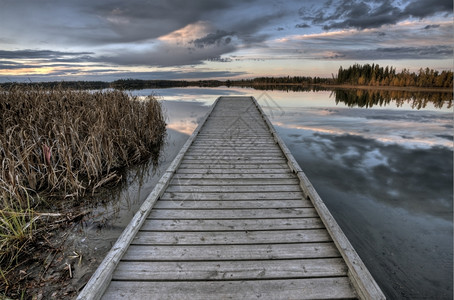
x=370, y=98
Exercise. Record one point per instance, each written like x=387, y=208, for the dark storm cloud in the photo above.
x=138, y=20
x=14, y=66
x=43, y=54
x=302, y=25
x=141, y=20
x=426, y=8
x=446, y=137
x=371, y=14
x=431, y=26
x=210, y=47
x=220, y=37
x=424, y=52
x=248, y=29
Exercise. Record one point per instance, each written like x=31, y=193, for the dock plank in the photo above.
x=233, y=181
x=240, y=204
x=231, y=270
x=314, y=288
x=231, y=252
x=232, y=189
x=231, y=224
x=231, y=237
x=234, y=196
x=263, y=213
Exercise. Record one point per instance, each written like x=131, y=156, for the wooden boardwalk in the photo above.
x=233, y=217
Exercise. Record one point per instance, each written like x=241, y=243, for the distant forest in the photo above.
x=374, y=75
x=369, y=75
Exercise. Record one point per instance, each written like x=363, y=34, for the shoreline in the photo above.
x=357, y=87
x=389, y=88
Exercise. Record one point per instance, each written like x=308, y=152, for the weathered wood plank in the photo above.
x=232, y=224
x=232, y=189
x=218, y=132
x=247, y=176
x=262, y=213
x=246, y=172
x=229, y=146
x=234, y=196
x=243, y=204
x=313, y=288
x=235, y=161
x=233, y=167
x=231, y=252
x=231, y=270
x=231, y=237
x=235, y=139
x=209, y=152
x=233, y=156
x=237, y=182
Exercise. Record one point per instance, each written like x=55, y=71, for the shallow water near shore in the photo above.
x=385, y=173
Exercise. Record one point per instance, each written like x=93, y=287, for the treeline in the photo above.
x=374, y=75
x=289, y=80
x=121, y=84
x=287, y=87
x=137, y=84
x=76, y=85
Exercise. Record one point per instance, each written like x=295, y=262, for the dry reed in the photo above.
x=63, y=143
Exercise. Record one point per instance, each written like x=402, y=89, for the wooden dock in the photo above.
x=233, y=217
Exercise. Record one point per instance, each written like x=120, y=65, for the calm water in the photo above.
x=385, y=172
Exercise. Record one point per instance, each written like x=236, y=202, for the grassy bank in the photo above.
x=59, y=144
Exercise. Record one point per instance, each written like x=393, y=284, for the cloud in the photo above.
x=191, y=45
x=424, y=52
x=219, y=38
x=302, y=25
x=431, y=26
x=136, y=20
x=43, y=54
x=405, y=40
x=372, y=14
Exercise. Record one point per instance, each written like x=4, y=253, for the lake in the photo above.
x=381, y=161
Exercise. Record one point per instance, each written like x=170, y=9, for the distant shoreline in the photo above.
x=389, y=88
x=352, y=86
x=161, y=84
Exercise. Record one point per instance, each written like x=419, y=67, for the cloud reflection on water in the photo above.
x=408, y=128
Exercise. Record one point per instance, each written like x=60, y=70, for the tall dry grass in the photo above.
x=68, y=143
x=63, y=143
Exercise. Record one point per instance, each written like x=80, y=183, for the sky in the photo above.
x=47, y=40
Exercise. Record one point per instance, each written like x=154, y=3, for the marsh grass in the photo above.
x=60, y=143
